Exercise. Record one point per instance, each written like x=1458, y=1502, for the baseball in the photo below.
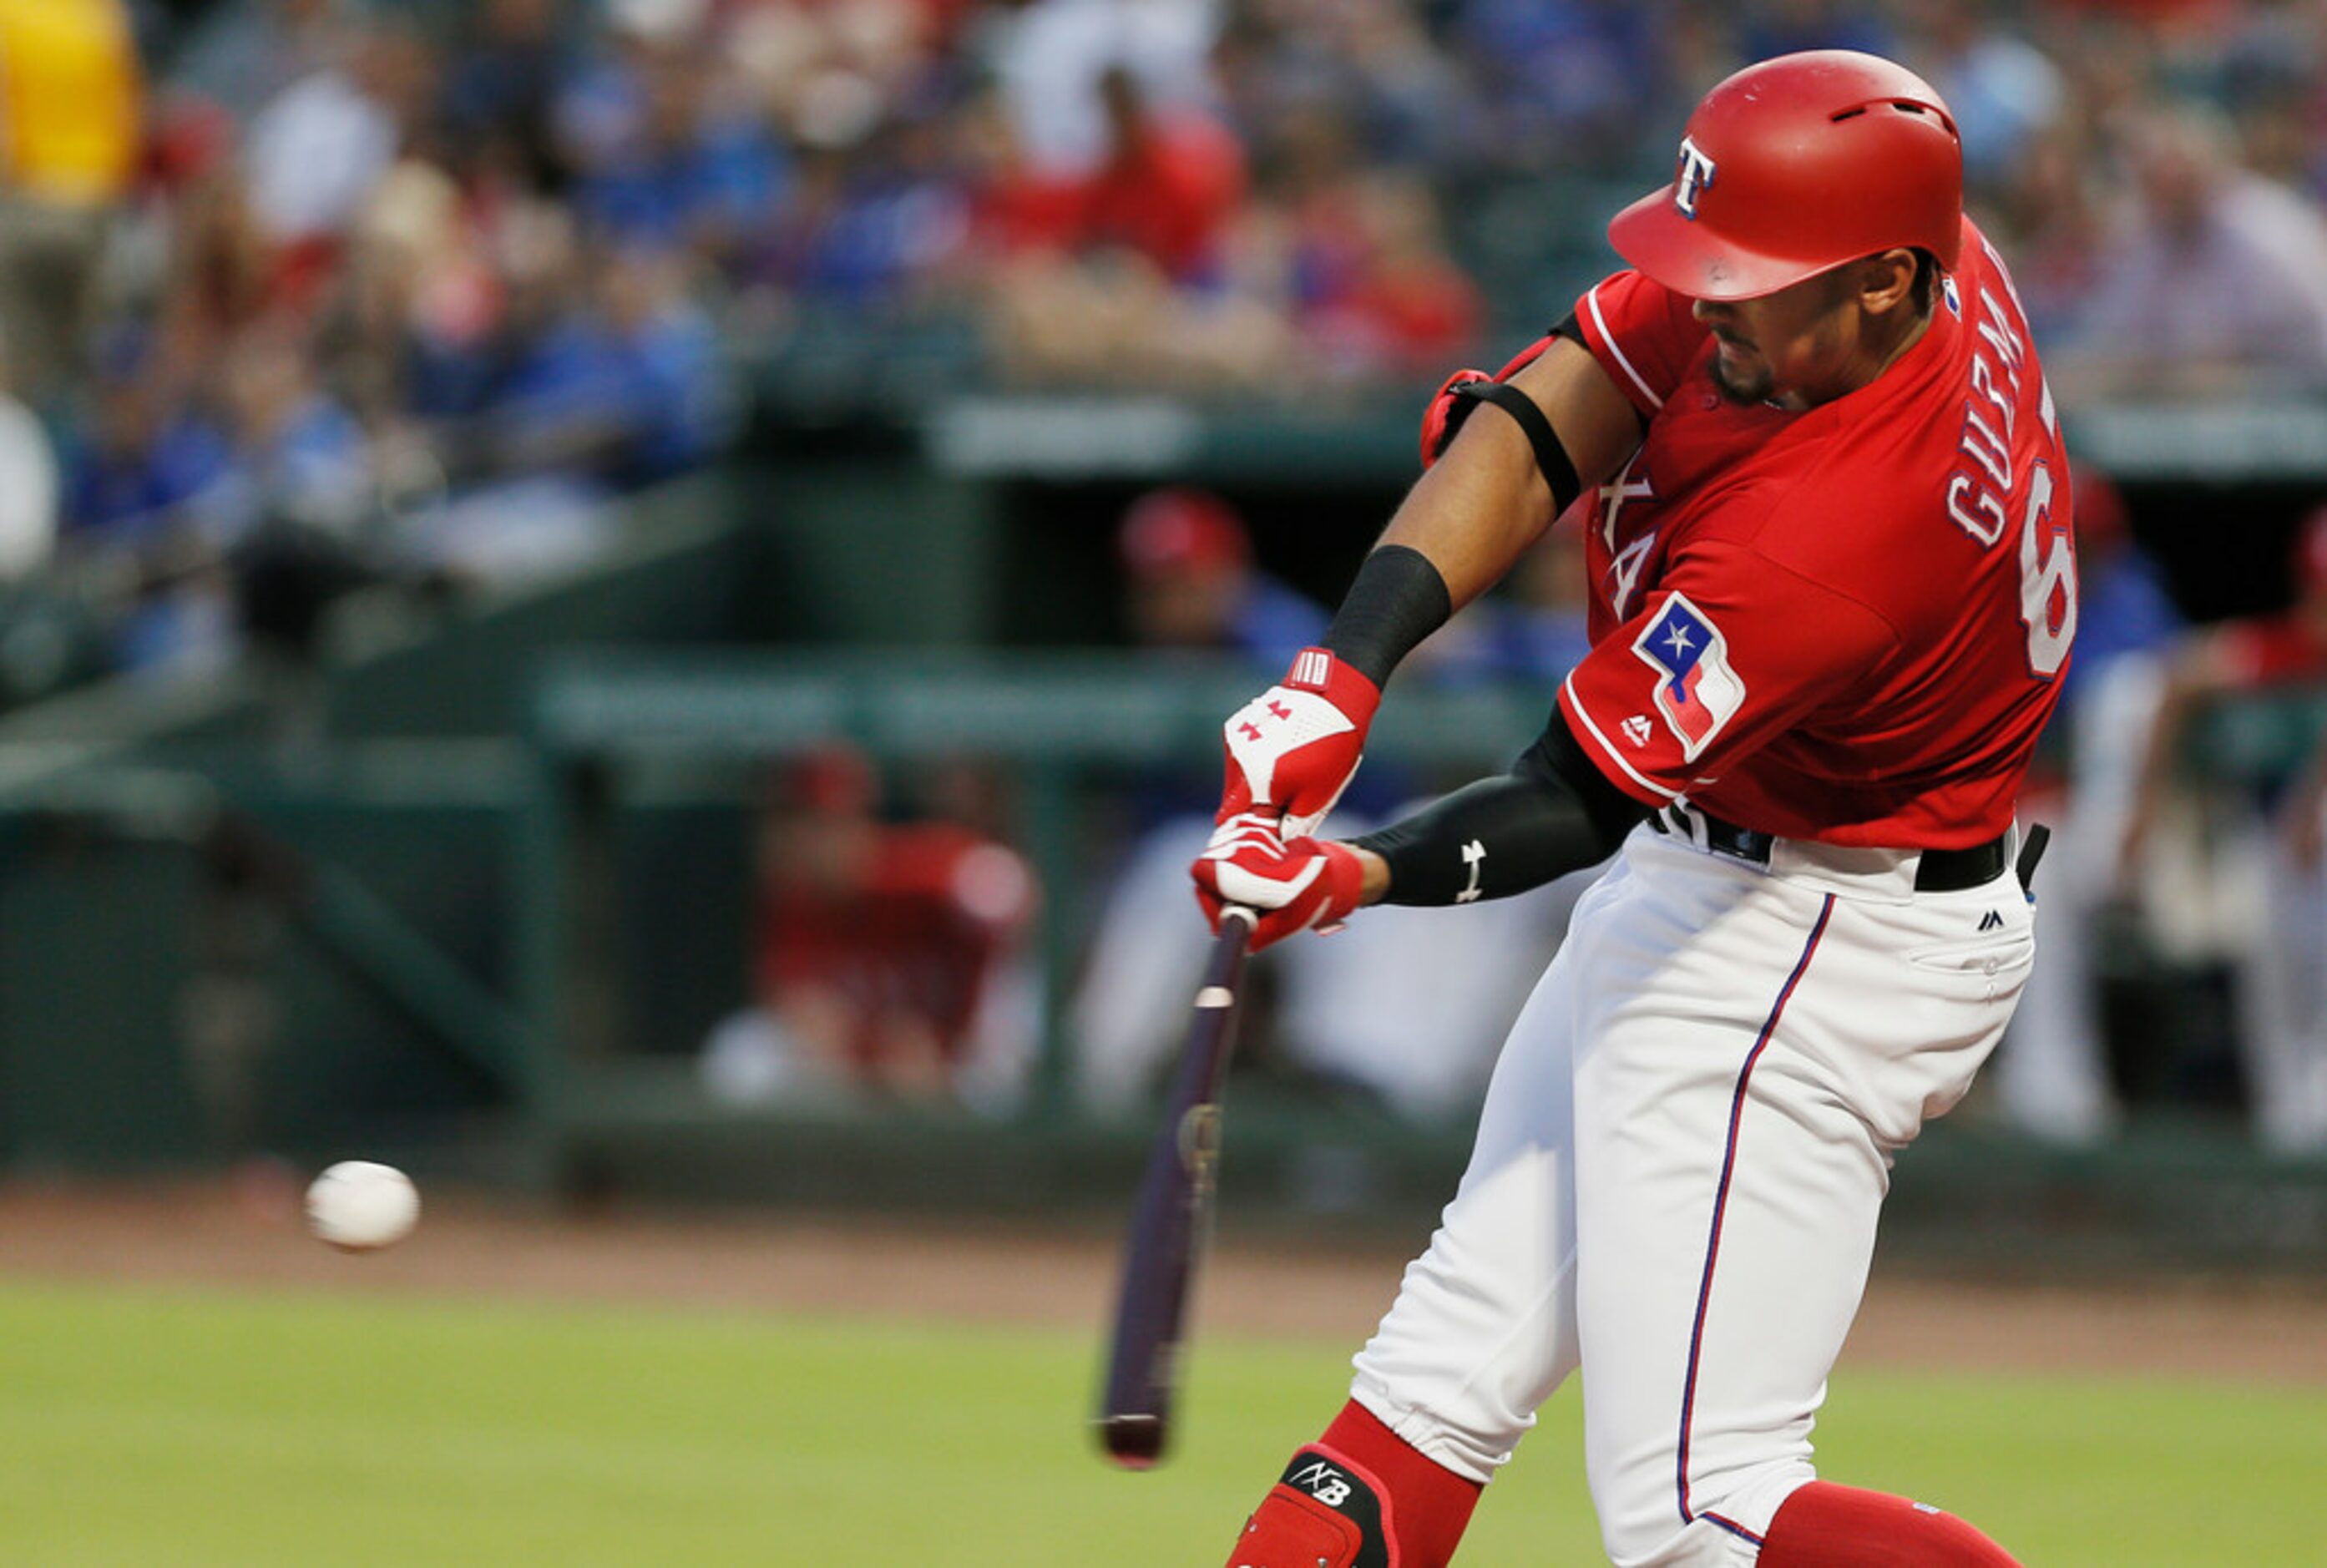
x=358, y=1206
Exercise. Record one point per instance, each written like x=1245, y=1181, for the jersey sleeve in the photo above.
x=1730, y=651
x=1642, y=334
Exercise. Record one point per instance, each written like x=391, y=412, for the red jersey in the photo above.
x=1846, y=624
x=2268, y=651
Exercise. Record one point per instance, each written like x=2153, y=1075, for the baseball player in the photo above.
x=1834, y=592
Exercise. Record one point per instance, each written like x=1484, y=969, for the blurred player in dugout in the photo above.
x=71, y=132
x=2270, y=913
x=887, y=957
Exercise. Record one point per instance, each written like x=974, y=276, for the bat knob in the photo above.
x=1133, y=1442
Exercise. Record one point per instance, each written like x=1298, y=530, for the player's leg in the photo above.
x=1482, y=1332
x=2282, y=1014
x=1767, y=1047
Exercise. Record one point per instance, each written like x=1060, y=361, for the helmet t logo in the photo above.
x=1695, y=173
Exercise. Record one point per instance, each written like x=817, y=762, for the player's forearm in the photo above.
x=1476, y=510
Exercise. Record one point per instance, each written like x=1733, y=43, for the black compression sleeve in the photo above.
x=1398, y=599
x=1553, y=813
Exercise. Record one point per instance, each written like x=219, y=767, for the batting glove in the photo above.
x=1294, y=748
x=1306, y=884
x=1442, y=419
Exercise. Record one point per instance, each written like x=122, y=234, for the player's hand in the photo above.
x=1306, y=884
x=1292, y=750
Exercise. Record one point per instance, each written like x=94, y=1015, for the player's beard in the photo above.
x=1745, y=389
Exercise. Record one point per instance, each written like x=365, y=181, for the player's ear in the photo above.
x=1885, y=281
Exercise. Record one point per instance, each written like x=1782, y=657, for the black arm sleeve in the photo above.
x=1553, y=813
x=1398, y=599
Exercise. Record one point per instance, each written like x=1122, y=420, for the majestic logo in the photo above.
x=1636, y=730
x=1326, y=1484
x=1991, y=921
x=1695, y=174
x=1697, y=691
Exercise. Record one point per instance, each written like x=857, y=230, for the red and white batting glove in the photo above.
x=1441, y=421
x=1307, y=884
x=1294, y=748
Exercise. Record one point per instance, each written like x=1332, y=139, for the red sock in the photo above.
x=1426, y=1505
x=1826, y=1526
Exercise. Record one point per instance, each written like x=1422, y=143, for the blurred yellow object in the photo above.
x=70, y=90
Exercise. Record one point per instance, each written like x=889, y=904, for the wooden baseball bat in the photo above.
x=1173, y=1219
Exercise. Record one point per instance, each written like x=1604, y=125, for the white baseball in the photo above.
x=358, y=1206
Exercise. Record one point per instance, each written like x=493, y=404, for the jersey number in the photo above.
x=2048, y=580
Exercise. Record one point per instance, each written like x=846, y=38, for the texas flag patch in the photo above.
x=1697, y=691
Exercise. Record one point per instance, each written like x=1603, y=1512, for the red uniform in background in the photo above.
x=909, y=939
x=878, y=942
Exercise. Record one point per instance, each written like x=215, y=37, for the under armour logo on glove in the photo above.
x=1294, y=747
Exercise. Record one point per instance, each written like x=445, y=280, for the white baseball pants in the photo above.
x=1677, y=1172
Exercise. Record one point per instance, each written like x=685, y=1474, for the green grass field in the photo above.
x=149, y=1428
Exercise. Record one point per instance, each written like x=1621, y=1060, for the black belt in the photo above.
x=1938, y=870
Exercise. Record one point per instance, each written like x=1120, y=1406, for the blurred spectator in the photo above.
x=881, y=949
x=2218, y=278
x=878, y=211
x=291, y=449
x=317, y=150
x=1190, y=583
x=2279, y=950
x=500, y=94
x=1166, y=184
x=29, y=485
x=146, y=454
x=1402, y=309
x=665, y=158
x=70, y=131
x=1562, y=82
x=1051, y=57
x=2002, y=90
x=2052, y=1075
x=245, y=54
x=1782, y=26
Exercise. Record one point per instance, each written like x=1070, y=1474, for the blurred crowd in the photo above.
x=408, y=292
x=304, y=297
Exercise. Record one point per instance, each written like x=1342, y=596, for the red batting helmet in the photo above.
x=1795, y=165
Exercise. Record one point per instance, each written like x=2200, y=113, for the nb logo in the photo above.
x=1695, y=174
x=1326, y=1484
x=1991, y=921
